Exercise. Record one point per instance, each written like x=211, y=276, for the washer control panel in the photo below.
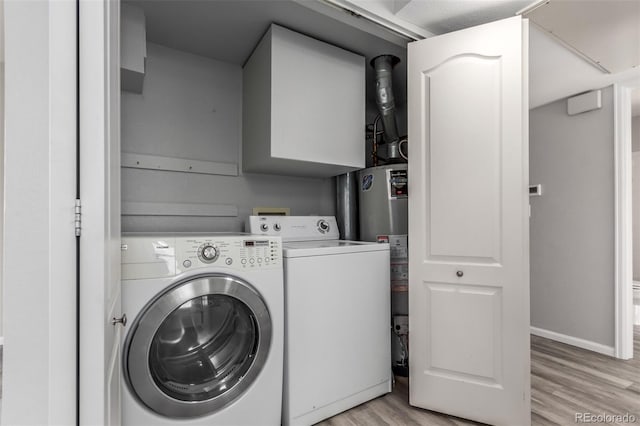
x=295, y=228
x=235, y=252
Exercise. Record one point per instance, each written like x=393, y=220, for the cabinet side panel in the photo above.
x=256, y=107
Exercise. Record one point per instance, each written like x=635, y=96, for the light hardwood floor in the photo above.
x=564, y=381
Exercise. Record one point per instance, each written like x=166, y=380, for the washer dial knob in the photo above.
x=208, y=253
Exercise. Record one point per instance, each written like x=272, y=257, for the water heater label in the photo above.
x=399, y=267
x=367, y=182
x=398, y=184
x=398, y=246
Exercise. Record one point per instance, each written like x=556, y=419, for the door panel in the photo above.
x=468, y=223
x=464, y=219
x=465, y=332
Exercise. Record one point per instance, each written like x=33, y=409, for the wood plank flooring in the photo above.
x=565, y=380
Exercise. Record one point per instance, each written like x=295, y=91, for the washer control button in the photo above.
x=264, y=227
x=243, y=261
x=252, y=260
x=228, y=261
x=266, y=259
x=186, y=263
x=259, y=260
x=277, y=227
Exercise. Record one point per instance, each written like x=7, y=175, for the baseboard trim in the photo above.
x=574, y=341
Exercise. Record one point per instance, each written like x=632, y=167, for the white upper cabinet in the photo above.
x=303, y=107
x=133, y=48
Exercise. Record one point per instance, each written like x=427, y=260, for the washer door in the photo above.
x=198, y=346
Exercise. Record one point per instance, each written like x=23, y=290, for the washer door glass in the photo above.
x=198, y=346
x=203, y=348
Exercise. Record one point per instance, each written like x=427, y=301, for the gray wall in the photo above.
x=191, y=108
x=572, y=223
x=635, y=189
x=635, y=133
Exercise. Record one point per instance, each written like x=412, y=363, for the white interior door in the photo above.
x=469, y=223
x=100, y=288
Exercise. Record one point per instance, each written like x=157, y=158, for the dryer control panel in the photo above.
x=295, y=228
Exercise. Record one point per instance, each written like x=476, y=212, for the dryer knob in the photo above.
x=323, y=226
x=264, y=227
x=209, y=253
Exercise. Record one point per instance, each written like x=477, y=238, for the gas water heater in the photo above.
x=382, y=196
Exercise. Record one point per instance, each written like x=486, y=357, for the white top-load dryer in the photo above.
x=337, y=317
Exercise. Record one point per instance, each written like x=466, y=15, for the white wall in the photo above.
x=39, y=242
x=191, y=108
x=572, y=223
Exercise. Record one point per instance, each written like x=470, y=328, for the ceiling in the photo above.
x=228, y=30
x=556, y=72
x=443, y=16
x=607, y=32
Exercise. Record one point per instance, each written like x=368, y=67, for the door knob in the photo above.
x=122, y=320
x=459, y=273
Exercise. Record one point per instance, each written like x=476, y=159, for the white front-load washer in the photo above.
x=337, y=317
x=205, y=346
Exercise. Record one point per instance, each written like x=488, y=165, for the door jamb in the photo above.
x=623, y=346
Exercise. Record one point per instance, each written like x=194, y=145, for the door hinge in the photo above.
x=78, y=218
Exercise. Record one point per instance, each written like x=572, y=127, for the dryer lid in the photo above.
x=329, y=247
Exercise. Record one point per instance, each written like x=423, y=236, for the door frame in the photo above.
x=99, y=116
x=623, y=346
x=39, y=263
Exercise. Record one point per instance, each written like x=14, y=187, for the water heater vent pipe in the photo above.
x=383, y=66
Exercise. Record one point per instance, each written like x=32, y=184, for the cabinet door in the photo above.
x=469, y=223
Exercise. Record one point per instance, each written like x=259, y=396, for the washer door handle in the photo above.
x=122, y=320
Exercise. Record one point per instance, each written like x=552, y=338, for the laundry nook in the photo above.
x=319, y=212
